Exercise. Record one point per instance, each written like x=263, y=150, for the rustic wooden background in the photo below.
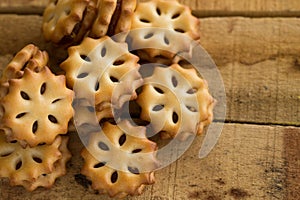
x=256, y=45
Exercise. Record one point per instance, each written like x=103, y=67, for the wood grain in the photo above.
x=248, y=163
x=258, y=59
x=201, y=8
x=253, y=8
x=23, y=6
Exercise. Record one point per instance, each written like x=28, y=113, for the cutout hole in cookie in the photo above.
x=192, y=91
x=55, y=101
x=192, y=109
x=114, y=79
x=103, y=146
x=85, y=58
x=122, y=139
x=174, y=81
x=176, y=15
x=136, y=151
x=37, y=159
x=5, y=154
x=99, y=165
x=160, y=91
x=144, y=20
x=97, y=86
x=158, y=108
x=82, y=75
x=133, y=170
x=43, y=89
x=91, y=109
x=166, y=40
x=114, y=177
x=21, y=115
x=175, y=117
x=19, y=165
x=52, y=119
x=24, y=95
x=119, y=62
x=103, y=52
x=50, y=18
x=148, y=36
x=13, y=141
x=34, y=127
x=179, y=30
x=158, y=11
x=68, y=11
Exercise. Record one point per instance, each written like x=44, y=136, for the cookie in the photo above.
x=120, y=160
x=114, y=16
x=28, y=57
x=47, y=180
x=37, y=108
x=23, y=165
x=67, y=21
x=103, y=72
x=180, y=103
x=163, y=28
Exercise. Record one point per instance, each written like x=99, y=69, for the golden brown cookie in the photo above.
x=23, y=165
x=180, y=103
x=114, y=16
x=165, y=28
x=37, y=108
x=47, y=180
x=103, y=72
x=67, y=21
x=28, y=57
x=120, y=160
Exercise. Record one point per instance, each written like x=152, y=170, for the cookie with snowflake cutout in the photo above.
x=120, y=160
x=180, y=103
x=37, y=107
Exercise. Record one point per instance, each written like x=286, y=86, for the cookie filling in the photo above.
x=115, y=18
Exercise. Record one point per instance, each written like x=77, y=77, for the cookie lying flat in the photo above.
x=172, y=27
x=180, y=104
x=103, y=72
x=120, y=160
x=23, y=165
x=47, y=180
x=37, y=108
x=67, y=21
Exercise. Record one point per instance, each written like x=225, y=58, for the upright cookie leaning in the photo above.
x=114, y=16
x=67, y=22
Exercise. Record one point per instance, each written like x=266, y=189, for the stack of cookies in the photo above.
x=104, y=76
x=36, y=108
x=67, y=22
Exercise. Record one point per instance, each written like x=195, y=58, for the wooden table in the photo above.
x=256, y=45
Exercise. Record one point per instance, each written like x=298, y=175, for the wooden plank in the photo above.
x=22, y=6
x=259, y=66
x=201, y=8
x=249, y=162
x=254, y=8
